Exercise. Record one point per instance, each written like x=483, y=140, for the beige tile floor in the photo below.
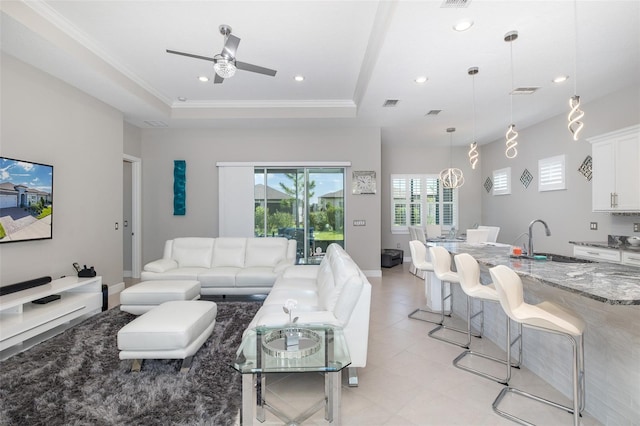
x=409, y=378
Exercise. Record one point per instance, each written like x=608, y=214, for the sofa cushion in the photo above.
x=219, y=277
x=296, y=284
x=256, y=277
x=190, y=252
x=265, y=251
x=161, y=265
x=344, y=270
x=347, y=299
x=229, y=252
x=174, y=274
x=307, y=300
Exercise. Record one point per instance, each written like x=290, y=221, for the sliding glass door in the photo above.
x=305, y=204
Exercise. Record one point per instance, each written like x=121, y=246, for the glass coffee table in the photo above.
x=300, y=348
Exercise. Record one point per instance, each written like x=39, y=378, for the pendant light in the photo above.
x=473, y=146
x=576, y=114
x=451, y=178
x=512, y=136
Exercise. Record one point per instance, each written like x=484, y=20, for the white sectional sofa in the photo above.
x=335, y=292
x=224, y=266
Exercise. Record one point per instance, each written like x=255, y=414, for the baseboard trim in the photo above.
x=116, y=288
x=374, y=273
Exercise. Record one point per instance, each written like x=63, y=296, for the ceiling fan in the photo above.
x=225, y=63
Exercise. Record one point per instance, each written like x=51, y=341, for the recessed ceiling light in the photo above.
x=420, y=80
x=463, y=25
x=182, y=99
x=299, y=78
x=203, y=78
x=560, y=79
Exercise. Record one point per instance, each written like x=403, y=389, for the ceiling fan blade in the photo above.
x=206, y=58
x=217, y=79
x=230, y=46
x=254, y=68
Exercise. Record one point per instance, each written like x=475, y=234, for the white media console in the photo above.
x=24, y=324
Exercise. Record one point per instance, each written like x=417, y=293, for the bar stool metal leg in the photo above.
x=443, y=326
x=509, y=342
x=578, y=384
x=440, y=314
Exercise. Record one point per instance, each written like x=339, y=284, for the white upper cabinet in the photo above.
x=616, y=170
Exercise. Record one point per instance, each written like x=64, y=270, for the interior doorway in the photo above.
x=131, y=216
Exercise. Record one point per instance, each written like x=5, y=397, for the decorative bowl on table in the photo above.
x=634, y=241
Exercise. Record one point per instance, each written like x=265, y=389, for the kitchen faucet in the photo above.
x=546, y=229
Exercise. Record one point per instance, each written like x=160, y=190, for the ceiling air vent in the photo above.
x=524, y=90
x=154, y=123
x=434, y=112
x=455, y=3
x=390, y=103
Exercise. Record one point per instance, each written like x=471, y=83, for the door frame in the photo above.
x=136, y=213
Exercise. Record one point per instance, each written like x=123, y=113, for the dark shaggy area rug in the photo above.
x=76, y=378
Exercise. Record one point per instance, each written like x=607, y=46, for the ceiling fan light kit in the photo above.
x=224, y=67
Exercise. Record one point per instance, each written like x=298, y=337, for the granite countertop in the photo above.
x=607, y=245
x=605, y=282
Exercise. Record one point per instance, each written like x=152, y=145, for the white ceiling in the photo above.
x=354, y=55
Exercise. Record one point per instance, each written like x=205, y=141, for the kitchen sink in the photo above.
x=563, y=259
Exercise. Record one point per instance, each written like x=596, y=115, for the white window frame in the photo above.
x=551, y=174
x=502, y=181
x=424, y=203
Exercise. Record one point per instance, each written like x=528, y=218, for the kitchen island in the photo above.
x=605, y=295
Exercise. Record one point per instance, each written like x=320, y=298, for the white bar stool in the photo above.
x=419, y=259
x=547, y=317
x=469, y=273
x=441, y=261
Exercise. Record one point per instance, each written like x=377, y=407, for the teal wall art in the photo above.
x=179, y=187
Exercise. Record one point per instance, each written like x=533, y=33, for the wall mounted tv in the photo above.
x=26, y=200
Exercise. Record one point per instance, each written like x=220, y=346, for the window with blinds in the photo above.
x=502, y=181
x=418, y=200
x=551, y=174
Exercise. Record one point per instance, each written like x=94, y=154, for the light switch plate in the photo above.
x=359, y=222
x=593, y=226
x=636, y=227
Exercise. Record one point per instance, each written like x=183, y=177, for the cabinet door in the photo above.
x=627, y=173
x=604, y=181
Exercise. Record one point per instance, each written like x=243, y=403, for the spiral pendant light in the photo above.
x=473, y=146
x=575, y=115
x=511, y=136
x=451, y=177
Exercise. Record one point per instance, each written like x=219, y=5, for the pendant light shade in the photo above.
x=511, y=136
x=451, y=177
x=473, y=146
x=576, y=114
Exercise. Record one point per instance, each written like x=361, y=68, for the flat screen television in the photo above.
x=26, y=200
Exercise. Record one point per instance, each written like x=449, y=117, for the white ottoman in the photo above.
x=173, y=330
x=143, y=296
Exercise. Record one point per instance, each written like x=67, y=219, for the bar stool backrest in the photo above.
x=441, y=261
x=419, y=256
x=468, y=271
x=509, y=288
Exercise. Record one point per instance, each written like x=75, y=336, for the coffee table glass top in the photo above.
x=299, y=348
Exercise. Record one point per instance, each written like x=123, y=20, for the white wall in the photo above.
x=202, y=148
x=568, y=213
x=45, y=120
